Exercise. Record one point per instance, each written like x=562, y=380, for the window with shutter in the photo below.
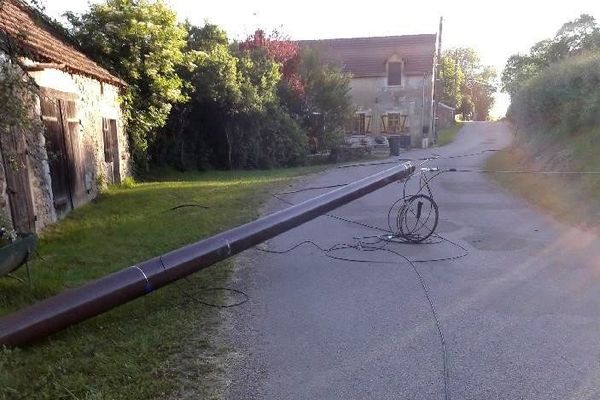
x=394, y=123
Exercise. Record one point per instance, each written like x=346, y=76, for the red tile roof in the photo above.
x=39, y=40
x=366, y=57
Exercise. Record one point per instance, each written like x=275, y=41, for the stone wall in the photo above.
x=445, y=116
x=41, y=184
x=94, y=101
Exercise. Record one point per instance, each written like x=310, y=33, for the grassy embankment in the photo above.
x=574, y=199
x=558, y=118
x=447, y=136
x=140, y=350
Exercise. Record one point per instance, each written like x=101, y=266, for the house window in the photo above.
x=362, y=123
x=395, y=123
x=394, y=73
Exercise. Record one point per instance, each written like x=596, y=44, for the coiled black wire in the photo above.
x=420, y=231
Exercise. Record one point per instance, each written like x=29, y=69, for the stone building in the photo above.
x=392, y=83
x=82, y=145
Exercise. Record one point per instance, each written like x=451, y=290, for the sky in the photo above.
x=496, y=29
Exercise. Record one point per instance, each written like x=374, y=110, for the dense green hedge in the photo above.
x=562, y=99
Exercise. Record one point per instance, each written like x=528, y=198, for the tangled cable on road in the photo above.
x=412, y=220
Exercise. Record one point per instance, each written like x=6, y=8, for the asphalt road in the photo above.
x=520, y=314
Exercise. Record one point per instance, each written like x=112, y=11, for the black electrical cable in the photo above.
x=401, y=234
x=490, y=171
x=188, y=205
x=198, y=300
x=205, y=303
x=368, y=246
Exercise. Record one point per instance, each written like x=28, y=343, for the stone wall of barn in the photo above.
x=36, y=168
x=94, y=102
x=41, y=184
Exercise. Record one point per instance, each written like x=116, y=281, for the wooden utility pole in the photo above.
x=437, y=82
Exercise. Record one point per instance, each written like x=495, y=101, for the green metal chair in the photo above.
x=14, y=255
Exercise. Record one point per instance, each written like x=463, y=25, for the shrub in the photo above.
x=127, y=183
x=564, y=98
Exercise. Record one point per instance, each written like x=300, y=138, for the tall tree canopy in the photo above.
x=467, y=84
x=573, y=38
x=232, y=117
x=142, y=42
x=453, y=79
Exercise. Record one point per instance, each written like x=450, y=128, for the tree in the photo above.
x=467, y=60
x=140, y=41
x=482, y=92
x=233, y=117
x=518, y=70
x=476, y=96
x=452, y=80
x=573, y=38
x=327, y=105
x=281, y=50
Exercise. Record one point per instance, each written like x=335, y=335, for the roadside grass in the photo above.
x=447, y=136
x=573, y=199
x=136, y=350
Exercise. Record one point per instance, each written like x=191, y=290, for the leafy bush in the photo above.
x=128, y=183
x=564, y=98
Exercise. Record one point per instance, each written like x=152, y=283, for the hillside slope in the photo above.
x=556, y=117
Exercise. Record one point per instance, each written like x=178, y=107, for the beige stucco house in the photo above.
x=82, y=145
x=392, y=83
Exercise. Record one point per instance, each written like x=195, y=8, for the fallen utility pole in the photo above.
x=76, y=305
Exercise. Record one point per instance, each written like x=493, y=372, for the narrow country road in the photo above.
x=520, y=314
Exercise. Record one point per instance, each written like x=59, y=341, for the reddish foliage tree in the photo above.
x=281, y=50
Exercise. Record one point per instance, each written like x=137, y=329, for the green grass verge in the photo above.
x=447, y=136
x=574, y=199
x=144, y=349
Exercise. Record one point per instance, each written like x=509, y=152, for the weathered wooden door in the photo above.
x=75, y=152
x=64, y=154
x=14, y=149
x=111, y=149
x=57, y=155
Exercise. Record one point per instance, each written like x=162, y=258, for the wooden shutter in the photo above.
x=384, y=123
x=403, y=119
x=73, y=146
x=368, y=123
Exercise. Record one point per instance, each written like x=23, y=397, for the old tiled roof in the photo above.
x=365, y=57
x=39, y=40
